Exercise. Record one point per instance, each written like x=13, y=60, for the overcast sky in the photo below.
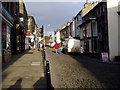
x=54, y=13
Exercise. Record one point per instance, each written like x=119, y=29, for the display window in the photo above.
x=3, y=37
x=8, y=43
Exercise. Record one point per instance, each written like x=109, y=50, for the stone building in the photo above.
x=94, y=32
x=40, y=34
x=12, y=29
x=65, y=32
x=31, y=24
x=31, y=29
x=23, y=22
x=9, y=17
x=78, y=18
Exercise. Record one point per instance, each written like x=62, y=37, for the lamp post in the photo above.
x=34, y=33
x=44, y=37
x=44, y=34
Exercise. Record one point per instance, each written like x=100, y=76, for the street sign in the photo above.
x=105, y=57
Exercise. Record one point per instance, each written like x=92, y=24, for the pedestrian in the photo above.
x=41, y=43
x=29, y=44
x=81, y=50
x=60, y=47
x=38, y=46
x=56, y=47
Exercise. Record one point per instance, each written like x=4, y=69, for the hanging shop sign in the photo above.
x=105, y=57
x=21, y=19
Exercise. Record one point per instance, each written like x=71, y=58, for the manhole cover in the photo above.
x=35, y=63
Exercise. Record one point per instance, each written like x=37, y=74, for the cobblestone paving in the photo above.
x=67, y=71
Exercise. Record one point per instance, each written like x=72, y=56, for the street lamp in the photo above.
x=44, y=34
x=35, y=33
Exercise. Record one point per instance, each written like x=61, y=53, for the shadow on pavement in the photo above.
x=41, y=83
x=107, y=74
x=53, y=51
x=29, y=53
x=16, y=86
x=13, y=59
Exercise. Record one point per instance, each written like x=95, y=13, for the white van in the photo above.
x=71, y=45
x=52, y=44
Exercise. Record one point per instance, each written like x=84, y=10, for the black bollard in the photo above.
x=44, y=55
x=48, y=75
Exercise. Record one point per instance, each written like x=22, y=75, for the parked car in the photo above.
x=71, y=45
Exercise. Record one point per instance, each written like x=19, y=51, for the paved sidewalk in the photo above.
x=24, y=71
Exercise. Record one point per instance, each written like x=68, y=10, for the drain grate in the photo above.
x=35, y=64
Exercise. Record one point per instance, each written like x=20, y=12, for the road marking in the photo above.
x=35, y=64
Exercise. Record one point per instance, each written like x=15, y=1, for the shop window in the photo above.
x=8, y=45
x=95, y=45
x=3, y=37
x=86, y=45
x=94, y=29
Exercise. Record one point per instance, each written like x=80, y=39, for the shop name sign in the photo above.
x=105, y=57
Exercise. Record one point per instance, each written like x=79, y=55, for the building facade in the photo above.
x=7, y=22
x=65, y=32
x=29, y=33
x=12, y=28
x=113, y=9
x=94, y=32
x=23, y=22
x=88, y=6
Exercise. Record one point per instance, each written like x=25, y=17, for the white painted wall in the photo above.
x=78, y=21
x=58, y=37
x=73, y=29
x=112, y=7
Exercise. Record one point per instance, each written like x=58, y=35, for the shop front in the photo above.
x=6, y=42
x=6, y=26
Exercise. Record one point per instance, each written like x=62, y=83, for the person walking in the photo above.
x=60, y=47
x=56, y=47
x=38, y=46
x=41, y=43
x=81, y=50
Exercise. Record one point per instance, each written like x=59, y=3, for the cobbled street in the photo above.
x=75, y=71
